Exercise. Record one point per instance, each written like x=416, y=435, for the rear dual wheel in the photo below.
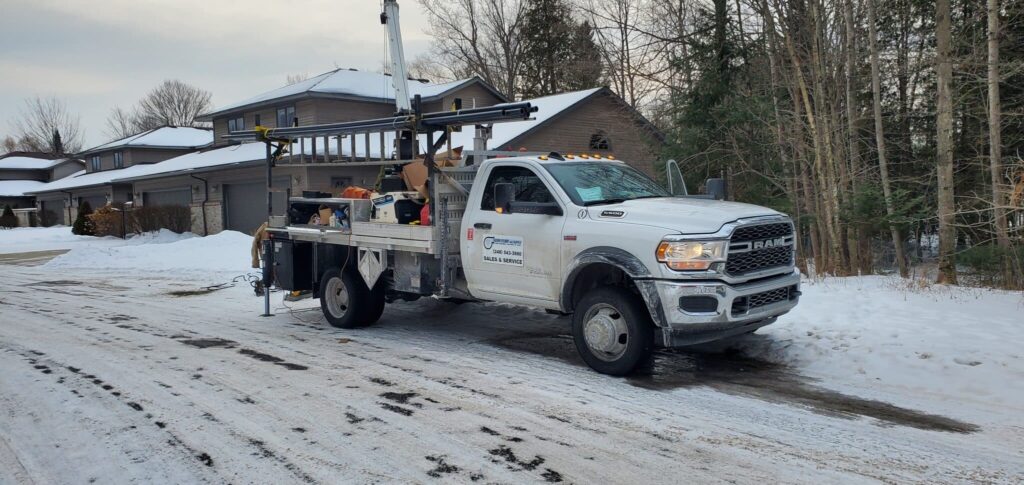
x=347, y=302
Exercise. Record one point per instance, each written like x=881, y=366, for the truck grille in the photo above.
x=745, y=304
x=764, y=231
x=754, y=248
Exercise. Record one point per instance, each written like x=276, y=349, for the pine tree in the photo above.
x=545, y=47
x=58, y=145
x=585, y=66
x=8, y=219
x=83, y=225
x=559, y=54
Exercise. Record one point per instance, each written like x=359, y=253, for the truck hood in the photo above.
x=685, y=215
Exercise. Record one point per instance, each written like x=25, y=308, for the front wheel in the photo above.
x=612, y=330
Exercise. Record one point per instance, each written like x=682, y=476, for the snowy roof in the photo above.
x=82, y=179
x=17, y=188
x=30, y=163
x=163, y=137
x=191, y=162
x=348, y=83
x=548, y=107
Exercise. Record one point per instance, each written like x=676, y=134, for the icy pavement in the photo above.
x=109, y=377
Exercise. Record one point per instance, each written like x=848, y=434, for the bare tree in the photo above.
x=883, y=164
x=9, y=144
x=172, y=103
x=995, y=137
x=296, y=78
x=425, y=66
x=482, y=37
x=121, y=123
x=944, y=144
x=633, y=58
x=40, y=118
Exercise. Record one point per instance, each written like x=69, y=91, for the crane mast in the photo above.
x=399, y=76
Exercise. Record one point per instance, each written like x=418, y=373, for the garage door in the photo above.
x=53, y=213
x=179, y=196
x=245, y=206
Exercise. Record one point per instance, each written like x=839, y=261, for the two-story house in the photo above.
x=227, y=182
x=58, y=200
x=23, y=172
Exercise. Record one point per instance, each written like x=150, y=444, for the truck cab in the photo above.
x=634, y=266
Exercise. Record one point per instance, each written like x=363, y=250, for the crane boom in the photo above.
x=399, y=76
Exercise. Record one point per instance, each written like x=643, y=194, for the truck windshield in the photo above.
x=592, y=183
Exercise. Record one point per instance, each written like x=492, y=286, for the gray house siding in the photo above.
x=16, y=202
x=17, y=174
x=65, y=169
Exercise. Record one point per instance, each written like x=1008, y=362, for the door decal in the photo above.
x=503, y=250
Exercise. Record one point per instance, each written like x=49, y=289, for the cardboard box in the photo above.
x=325, y=216
x=414, y=174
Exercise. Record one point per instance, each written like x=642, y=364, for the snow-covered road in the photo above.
x=107, y=376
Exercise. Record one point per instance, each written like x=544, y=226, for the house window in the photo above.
x=285, y=116
x=94, y=163
x=236, y=124
x=118, y=159
x=341, y=183
x=599, y=141
x=256, y=120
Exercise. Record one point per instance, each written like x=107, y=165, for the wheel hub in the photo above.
x=605, y=332
x=337, y=297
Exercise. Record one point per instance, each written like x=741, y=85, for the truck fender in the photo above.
x=622, y=260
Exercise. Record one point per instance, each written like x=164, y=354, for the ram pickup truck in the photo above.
x=635, y=267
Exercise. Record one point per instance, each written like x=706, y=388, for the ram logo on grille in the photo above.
x=769, y=243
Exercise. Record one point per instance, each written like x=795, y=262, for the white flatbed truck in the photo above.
x=592, y=238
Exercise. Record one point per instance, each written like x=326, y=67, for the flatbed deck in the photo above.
x=396, y=237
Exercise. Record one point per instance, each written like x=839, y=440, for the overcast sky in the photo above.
x=103, y=53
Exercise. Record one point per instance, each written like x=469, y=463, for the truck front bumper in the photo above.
x=693, y=312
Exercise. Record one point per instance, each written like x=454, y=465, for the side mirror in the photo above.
x=717, y=189
x=504, y=194
x=674, y=177
x=542, y=208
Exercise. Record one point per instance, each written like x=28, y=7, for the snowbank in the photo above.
x=227, y=251
x=878, y=335
x=26, y=239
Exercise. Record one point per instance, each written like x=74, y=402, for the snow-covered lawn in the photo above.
x=29, y=239
x=870, y=378
x=202, y=257
x=946, y=349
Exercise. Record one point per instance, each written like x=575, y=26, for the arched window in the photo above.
x=600, y=141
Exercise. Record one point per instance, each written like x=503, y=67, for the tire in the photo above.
x=343, y=298
x=612, y=330
x=374, y=307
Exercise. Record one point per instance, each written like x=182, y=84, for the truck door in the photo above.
x=512, y=255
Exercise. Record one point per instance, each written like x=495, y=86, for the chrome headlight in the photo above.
x=691, y=255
